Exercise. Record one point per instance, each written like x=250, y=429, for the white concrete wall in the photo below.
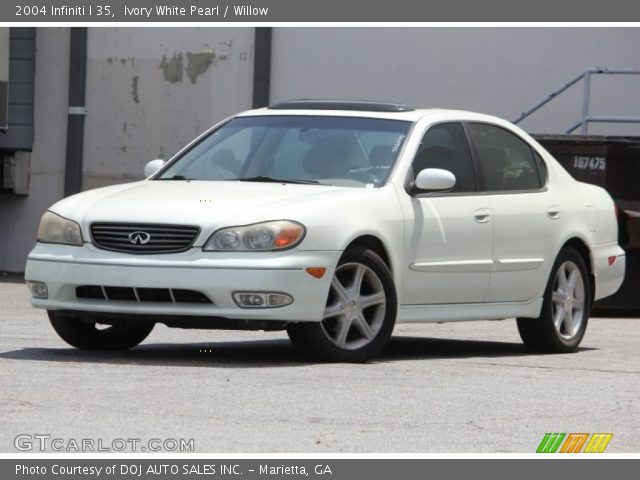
x=19, y=216
x=500, y=71
x=139, y=110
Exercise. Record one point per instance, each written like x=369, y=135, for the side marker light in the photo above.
x=317, y=272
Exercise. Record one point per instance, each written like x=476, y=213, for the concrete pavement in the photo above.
x=457, y=387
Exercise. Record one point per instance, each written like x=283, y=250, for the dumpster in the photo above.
x=611, y=162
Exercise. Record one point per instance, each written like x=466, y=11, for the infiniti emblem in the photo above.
x=139, y=237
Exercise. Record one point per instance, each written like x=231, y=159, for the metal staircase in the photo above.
x=587, y=118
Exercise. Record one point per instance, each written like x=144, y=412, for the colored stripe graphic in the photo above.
x=550, y=442
x=598, y=442
x=574, y=443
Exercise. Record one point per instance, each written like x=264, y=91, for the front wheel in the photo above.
x=89, y=334
x=565, y=308
x=359, y=315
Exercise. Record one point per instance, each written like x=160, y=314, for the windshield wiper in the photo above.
x=175, y=177
x=262, y=178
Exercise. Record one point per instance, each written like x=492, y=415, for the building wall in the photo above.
x=21, y=47
x=19, y=215
x=149, y=92
x=501, y=71
x=152, y=90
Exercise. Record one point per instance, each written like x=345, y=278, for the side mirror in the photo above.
x=435, y=179
x=152, y=167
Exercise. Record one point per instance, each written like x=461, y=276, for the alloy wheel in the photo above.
x=568, y=300
x=356, y=307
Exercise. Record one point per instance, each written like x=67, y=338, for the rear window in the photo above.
x=506, y=161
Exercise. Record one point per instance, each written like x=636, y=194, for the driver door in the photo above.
x=449, y=234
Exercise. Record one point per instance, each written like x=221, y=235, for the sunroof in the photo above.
x=368, y=106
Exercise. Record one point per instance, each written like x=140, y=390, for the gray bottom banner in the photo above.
x=537, y=469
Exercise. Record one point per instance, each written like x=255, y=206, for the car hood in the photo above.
x=207, y=204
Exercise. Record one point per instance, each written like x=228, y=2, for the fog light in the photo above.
x=279, y=299
x=262, y=299
x=250, y=299
x=38, y=289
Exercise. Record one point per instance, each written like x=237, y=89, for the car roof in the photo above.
x=408, y=114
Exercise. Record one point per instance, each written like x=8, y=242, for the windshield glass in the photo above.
x=343, y=151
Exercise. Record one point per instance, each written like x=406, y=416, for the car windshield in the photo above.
x=326, y=150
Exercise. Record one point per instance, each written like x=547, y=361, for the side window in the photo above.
x=506, y=161
x=445, y=146
x=542, y=168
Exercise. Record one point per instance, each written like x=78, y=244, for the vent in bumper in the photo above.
x=143, y=238
x=141, y=295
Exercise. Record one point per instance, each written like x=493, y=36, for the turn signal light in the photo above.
x=317, y=272
x=288, y=236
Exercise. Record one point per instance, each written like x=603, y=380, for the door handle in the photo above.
x=553, y=212
x=481, y=216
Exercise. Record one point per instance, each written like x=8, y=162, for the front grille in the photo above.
x=120, y=293
x=140, y=294
x=143, y=238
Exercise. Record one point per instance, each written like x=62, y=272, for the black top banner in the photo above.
x=272, y=11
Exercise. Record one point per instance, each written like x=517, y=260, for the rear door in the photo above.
x=526, y=214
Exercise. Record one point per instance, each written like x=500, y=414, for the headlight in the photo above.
x=276, y=235
x=55, y=229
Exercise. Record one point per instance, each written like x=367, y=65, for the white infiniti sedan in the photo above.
x=333, y=220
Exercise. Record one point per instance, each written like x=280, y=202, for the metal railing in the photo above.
x=586, y=98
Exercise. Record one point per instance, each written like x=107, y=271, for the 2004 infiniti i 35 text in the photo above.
x=333, y=220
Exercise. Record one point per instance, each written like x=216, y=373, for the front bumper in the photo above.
x=217, y=275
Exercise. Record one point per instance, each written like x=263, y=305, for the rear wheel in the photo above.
x=565, y=308
x=89, y=334
x=359, y=315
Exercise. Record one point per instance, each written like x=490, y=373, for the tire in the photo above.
x=84, y=333
x=568, y=290
x=351, y=331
